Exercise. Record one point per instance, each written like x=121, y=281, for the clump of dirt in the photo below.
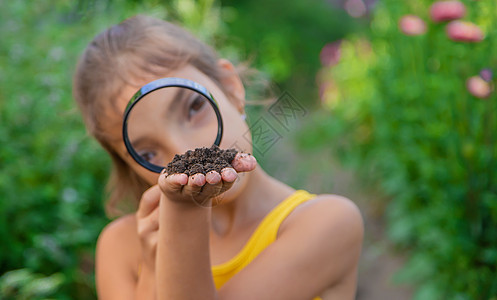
x=201, y=160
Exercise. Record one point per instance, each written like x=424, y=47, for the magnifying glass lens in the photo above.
x=169, y=121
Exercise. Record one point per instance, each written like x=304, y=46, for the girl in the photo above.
x=265, y=240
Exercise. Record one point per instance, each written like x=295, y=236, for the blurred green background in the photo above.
x=390, y=109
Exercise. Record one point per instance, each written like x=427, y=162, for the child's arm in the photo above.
x=183, y=269
x=183, y=260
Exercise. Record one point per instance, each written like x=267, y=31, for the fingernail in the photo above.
x=184, y=176
x=230, y=170
x=197, y=179
x=212, y=177
x=177, y=177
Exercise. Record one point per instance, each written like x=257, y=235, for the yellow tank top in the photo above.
x=262, y=237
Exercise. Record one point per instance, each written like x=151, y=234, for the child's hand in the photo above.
x=147, y=219
x=200, y=188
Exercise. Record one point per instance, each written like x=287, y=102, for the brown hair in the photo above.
x=136, y=49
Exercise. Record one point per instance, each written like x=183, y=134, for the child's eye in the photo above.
x=147, y=155
x=196, y=105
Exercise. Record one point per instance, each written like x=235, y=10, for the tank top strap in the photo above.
x=265, y=233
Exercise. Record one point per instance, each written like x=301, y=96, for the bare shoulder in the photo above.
x=119, y=233
x=330, y=213
x=122, y=225
x=343, y=210
x=332, y=228
x=117, y=236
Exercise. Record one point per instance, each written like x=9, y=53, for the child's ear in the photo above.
x=232, y=84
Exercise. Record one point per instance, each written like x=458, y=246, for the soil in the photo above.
x=201, y=160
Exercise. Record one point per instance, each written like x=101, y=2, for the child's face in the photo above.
x=167, y=139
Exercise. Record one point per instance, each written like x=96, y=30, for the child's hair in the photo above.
x=135, y=50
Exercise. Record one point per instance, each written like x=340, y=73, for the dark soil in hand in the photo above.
x=201, y=160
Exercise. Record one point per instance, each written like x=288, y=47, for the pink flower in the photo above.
x=412, y=25
x=478, y=87
x=461, y=31
x=447, y=10
x=330, y=54
x=355, y=8
x=486, y=74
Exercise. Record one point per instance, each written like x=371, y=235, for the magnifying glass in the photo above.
x=165, y=110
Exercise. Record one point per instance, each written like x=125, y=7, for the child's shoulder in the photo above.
x=342, y=208
x=328, y=215
x=118, y=235
x=324, y=234
x=122, y=226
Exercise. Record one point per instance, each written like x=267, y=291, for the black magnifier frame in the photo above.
x=157, y=85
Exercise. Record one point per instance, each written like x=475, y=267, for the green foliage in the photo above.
x=50, y=209
x=53, y=174
x=400, y=113
x=285, y=38
x=22, y=284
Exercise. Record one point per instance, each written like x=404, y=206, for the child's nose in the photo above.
x=180, y=142
x=181, y=145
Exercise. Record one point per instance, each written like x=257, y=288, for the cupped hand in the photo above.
x=200, y=189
